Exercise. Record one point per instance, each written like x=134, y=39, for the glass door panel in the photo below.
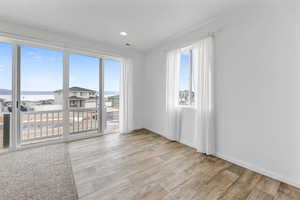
x=83, y=99
x=41, y=106
x=5, y=94
x=112, y=76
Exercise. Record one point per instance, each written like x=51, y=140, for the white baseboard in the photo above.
x=181, y=141
x=159, y=133
x=259, y=170
x=187, y=143
x=247, y=165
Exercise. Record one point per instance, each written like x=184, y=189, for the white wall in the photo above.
x=187, y=130
x=138, y=92
x=257, y=89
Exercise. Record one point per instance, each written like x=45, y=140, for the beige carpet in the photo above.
x=42, y=173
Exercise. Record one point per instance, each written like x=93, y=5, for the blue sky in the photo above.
x=42, y=70
x=184, y=70
x=5, y=65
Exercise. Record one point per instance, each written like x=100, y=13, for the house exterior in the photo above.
x=115, y=100
x=78, y=97
x=1, y=105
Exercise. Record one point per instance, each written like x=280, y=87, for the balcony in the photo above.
x=43, y=126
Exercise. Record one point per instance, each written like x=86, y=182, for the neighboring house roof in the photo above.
x=77, y=89
x=114, y=97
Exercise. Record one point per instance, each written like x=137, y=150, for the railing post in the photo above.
x=6, y=130
x=101, y=97
x=16, y=101
x=66, y=120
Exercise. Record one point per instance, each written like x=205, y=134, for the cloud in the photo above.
x=34, y=56
x=31, y=53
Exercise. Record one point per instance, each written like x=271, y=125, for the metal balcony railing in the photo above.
x=83, y=119
x=38, y=126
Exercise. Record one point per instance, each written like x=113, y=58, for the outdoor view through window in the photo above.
x=186, y=94
x=83, y=96
x=5, y=93
x=112, y=76
x=41, y=94
x=41, y=73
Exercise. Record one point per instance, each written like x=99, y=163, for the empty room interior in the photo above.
x=150, y=100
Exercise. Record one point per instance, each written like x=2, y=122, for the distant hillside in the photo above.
x=8, y=92
x=5, y=92
x=37, y=92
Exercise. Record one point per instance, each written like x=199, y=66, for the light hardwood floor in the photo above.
x=142, y=165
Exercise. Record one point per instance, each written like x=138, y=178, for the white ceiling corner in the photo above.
x=148, y=23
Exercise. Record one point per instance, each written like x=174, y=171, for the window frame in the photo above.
x=16, y=43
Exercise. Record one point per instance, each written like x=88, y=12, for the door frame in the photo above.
x=15, y=143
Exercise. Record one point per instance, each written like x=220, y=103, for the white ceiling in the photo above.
x=147, y=22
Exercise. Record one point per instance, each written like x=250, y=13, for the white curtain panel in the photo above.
x=172, y=94
x=203, y=87
x=126, y=97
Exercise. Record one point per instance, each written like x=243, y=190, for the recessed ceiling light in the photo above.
x=123, y=33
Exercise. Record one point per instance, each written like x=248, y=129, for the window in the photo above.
x=41, y=76
x=112, y=76
x=84, y=76
x=57, y=95
x=186, y=93
x=83, y=94
x=5, y=94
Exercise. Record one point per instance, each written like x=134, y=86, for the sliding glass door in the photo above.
x=5, y=94
x=83, y=99
x=112, y=77
x=48, y=95
x=41, y=106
